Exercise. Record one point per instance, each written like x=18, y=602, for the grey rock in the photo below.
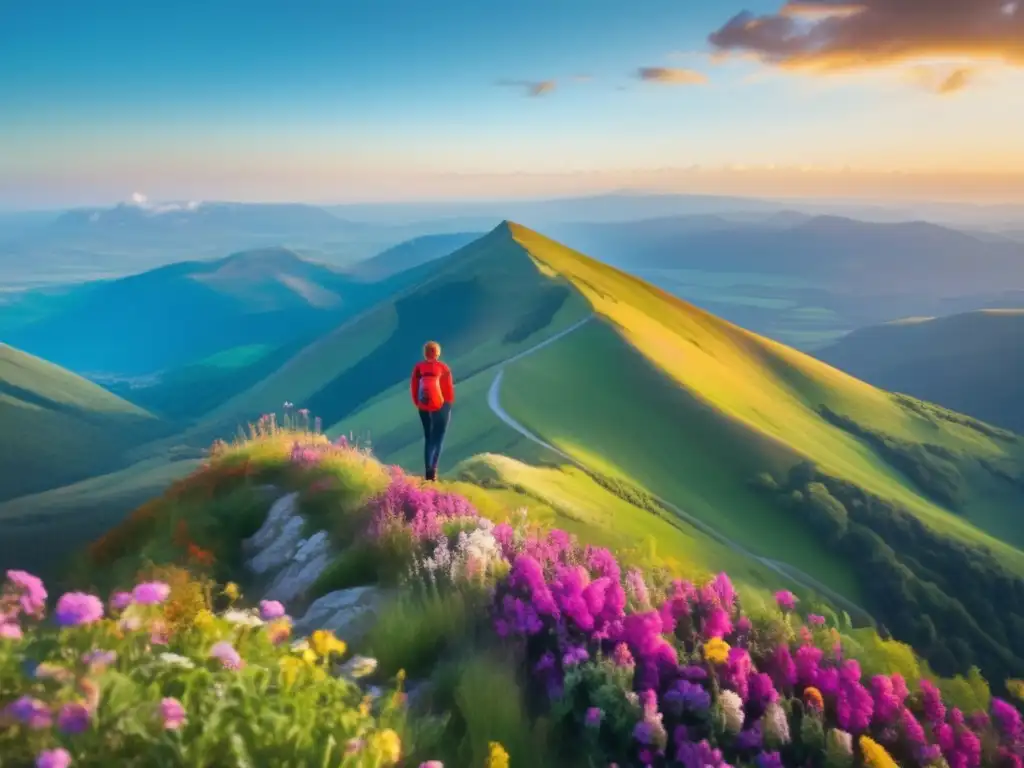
x=346, y=612
x=280, y=513
x=309, y=560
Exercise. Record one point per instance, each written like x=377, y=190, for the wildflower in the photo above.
x=360, y=666
x=685, y=695
x=838, y=749
x=53, y=758
x=325, y=643
x=813, y=698
x=231, y=591
x=175, y=660
x=786, y=600
x=290, y=668
x=497, y=757
x=621, y=656
x=271, y=609
x=203, y=619
x=172, y=714
x=432, y=764
x=875, y=755
x=1007, y=718
x=931, y=701
x=732, y=709
x=76, y=608
x=151, y=593
x=73, y=718
x=30, y=592
x=227, y=656
x=48, y=671
x=242, y=618
x=279, y=631
x=159, y=632
x=91, y=691
x=816, y=620
x=31, y=712
x=99, y=658
x=10, y=631
x=387, y=746
x=769, y=760
x=593, y=717
x=776, y=726
x=716, y=650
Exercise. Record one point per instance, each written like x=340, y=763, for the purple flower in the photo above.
x=751, y=738
x=225, y=653
x=593, y=717
x=172, y=714
x=1007, y=719
x=271, y=609
x=931, y=701
x=693, y=672
x=30, y=592
x=700, y=755
x=151, y=593
x=687, y=696
x=786, y=600
x=53, y=758
x=120, y=600
x=31, y=712
x=77, y=608
x=769, y=760
x=74, y=718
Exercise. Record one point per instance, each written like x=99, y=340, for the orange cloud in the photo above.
x=671, y=76
x=833, y=35
x=532, y=87
x=942, y=80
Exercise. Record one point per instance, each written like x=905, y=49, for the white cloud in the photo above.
x=140, y=200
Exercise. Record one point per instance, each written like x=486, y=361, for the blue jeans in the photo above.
x=435, y=424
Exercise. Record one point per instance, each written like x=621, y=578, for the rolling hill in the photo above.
x=971, y=362
x=57, y=428
x=184, y=313
x=561, y=360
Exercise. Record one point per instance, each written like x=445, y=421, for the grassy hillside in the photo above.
x=971, y=362
x=900, y=507
x=57, y=428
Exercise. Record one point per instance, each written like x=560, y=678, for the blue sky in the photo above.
x=382, y=99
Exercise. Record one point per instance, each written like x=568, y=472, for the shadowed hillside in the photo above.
x=57, y=428
x=972, y=363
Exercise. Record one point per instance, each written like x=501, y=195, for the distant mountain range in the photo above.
x=972, y=362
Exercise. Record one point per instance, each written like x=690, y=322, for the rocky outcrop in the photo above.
x=347, y=612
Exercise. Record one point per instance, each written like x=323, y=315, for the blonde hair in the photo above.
x=431, y=350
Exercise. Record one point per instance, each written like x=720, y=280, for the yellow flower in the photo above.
x=325, y=643
x=309, y=656
x=278, y=631
x=232, y=591
x=875, y=755
x=497, y=757
x=290, y=667
x=716, y=650
x=387, y=746
x=1016, y=688
x=203, y=619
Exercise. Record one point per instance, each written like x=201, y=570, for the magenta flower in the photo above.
x=74, y=718
x=77, y=608
x=226, y=654
x=1008, y=719
x=151, y=593
x=816, y=620
x=593, y=717
x=30, y=592
x=786, y=600
x=120, y=600
x=32, y=713
x=53, y=758
x=172, y=714
x=271, y=609
x=432, y=764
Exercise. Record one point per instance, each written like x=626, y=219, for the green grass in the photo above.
x=57, y=428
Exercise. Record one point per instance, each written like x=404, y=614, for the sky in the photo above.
x=366, y=100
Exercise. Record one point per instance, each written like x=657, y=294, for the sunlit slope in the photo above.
x=56, y=427
x=693, y=407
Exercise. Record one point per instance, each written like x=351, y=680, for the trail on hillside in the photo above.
x=787, y=571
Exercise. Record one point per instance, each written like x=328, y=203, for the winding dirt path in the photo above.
x=785, y=570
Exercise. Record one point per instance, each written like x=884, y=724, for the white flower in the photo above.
x=732, y=708
x=242, y=618
x=359, y=666
x=300, y=645
x=174, y=660
x=775, y=725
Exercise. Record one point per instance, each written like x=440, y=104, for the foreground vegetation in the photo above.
x=523, y=645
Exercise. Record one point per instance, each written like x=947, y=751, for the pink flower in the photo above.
x=227, y=656
x=120, y=600
x=172, y=714
x=30, y=592
x=151, y=593
x=53, y=758
x=816, y=620
x=10, y=631
x=271, y=609
x=786, y=600
x=432, y=764
x=77, y=608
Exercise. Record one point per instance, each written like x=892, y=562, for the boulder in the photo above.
x=346, y=612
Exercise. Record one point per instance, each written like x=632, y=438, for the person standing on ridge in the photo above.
x=433, y=393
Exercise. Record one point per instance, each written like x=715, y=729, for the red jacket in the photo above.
x=444, y=375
